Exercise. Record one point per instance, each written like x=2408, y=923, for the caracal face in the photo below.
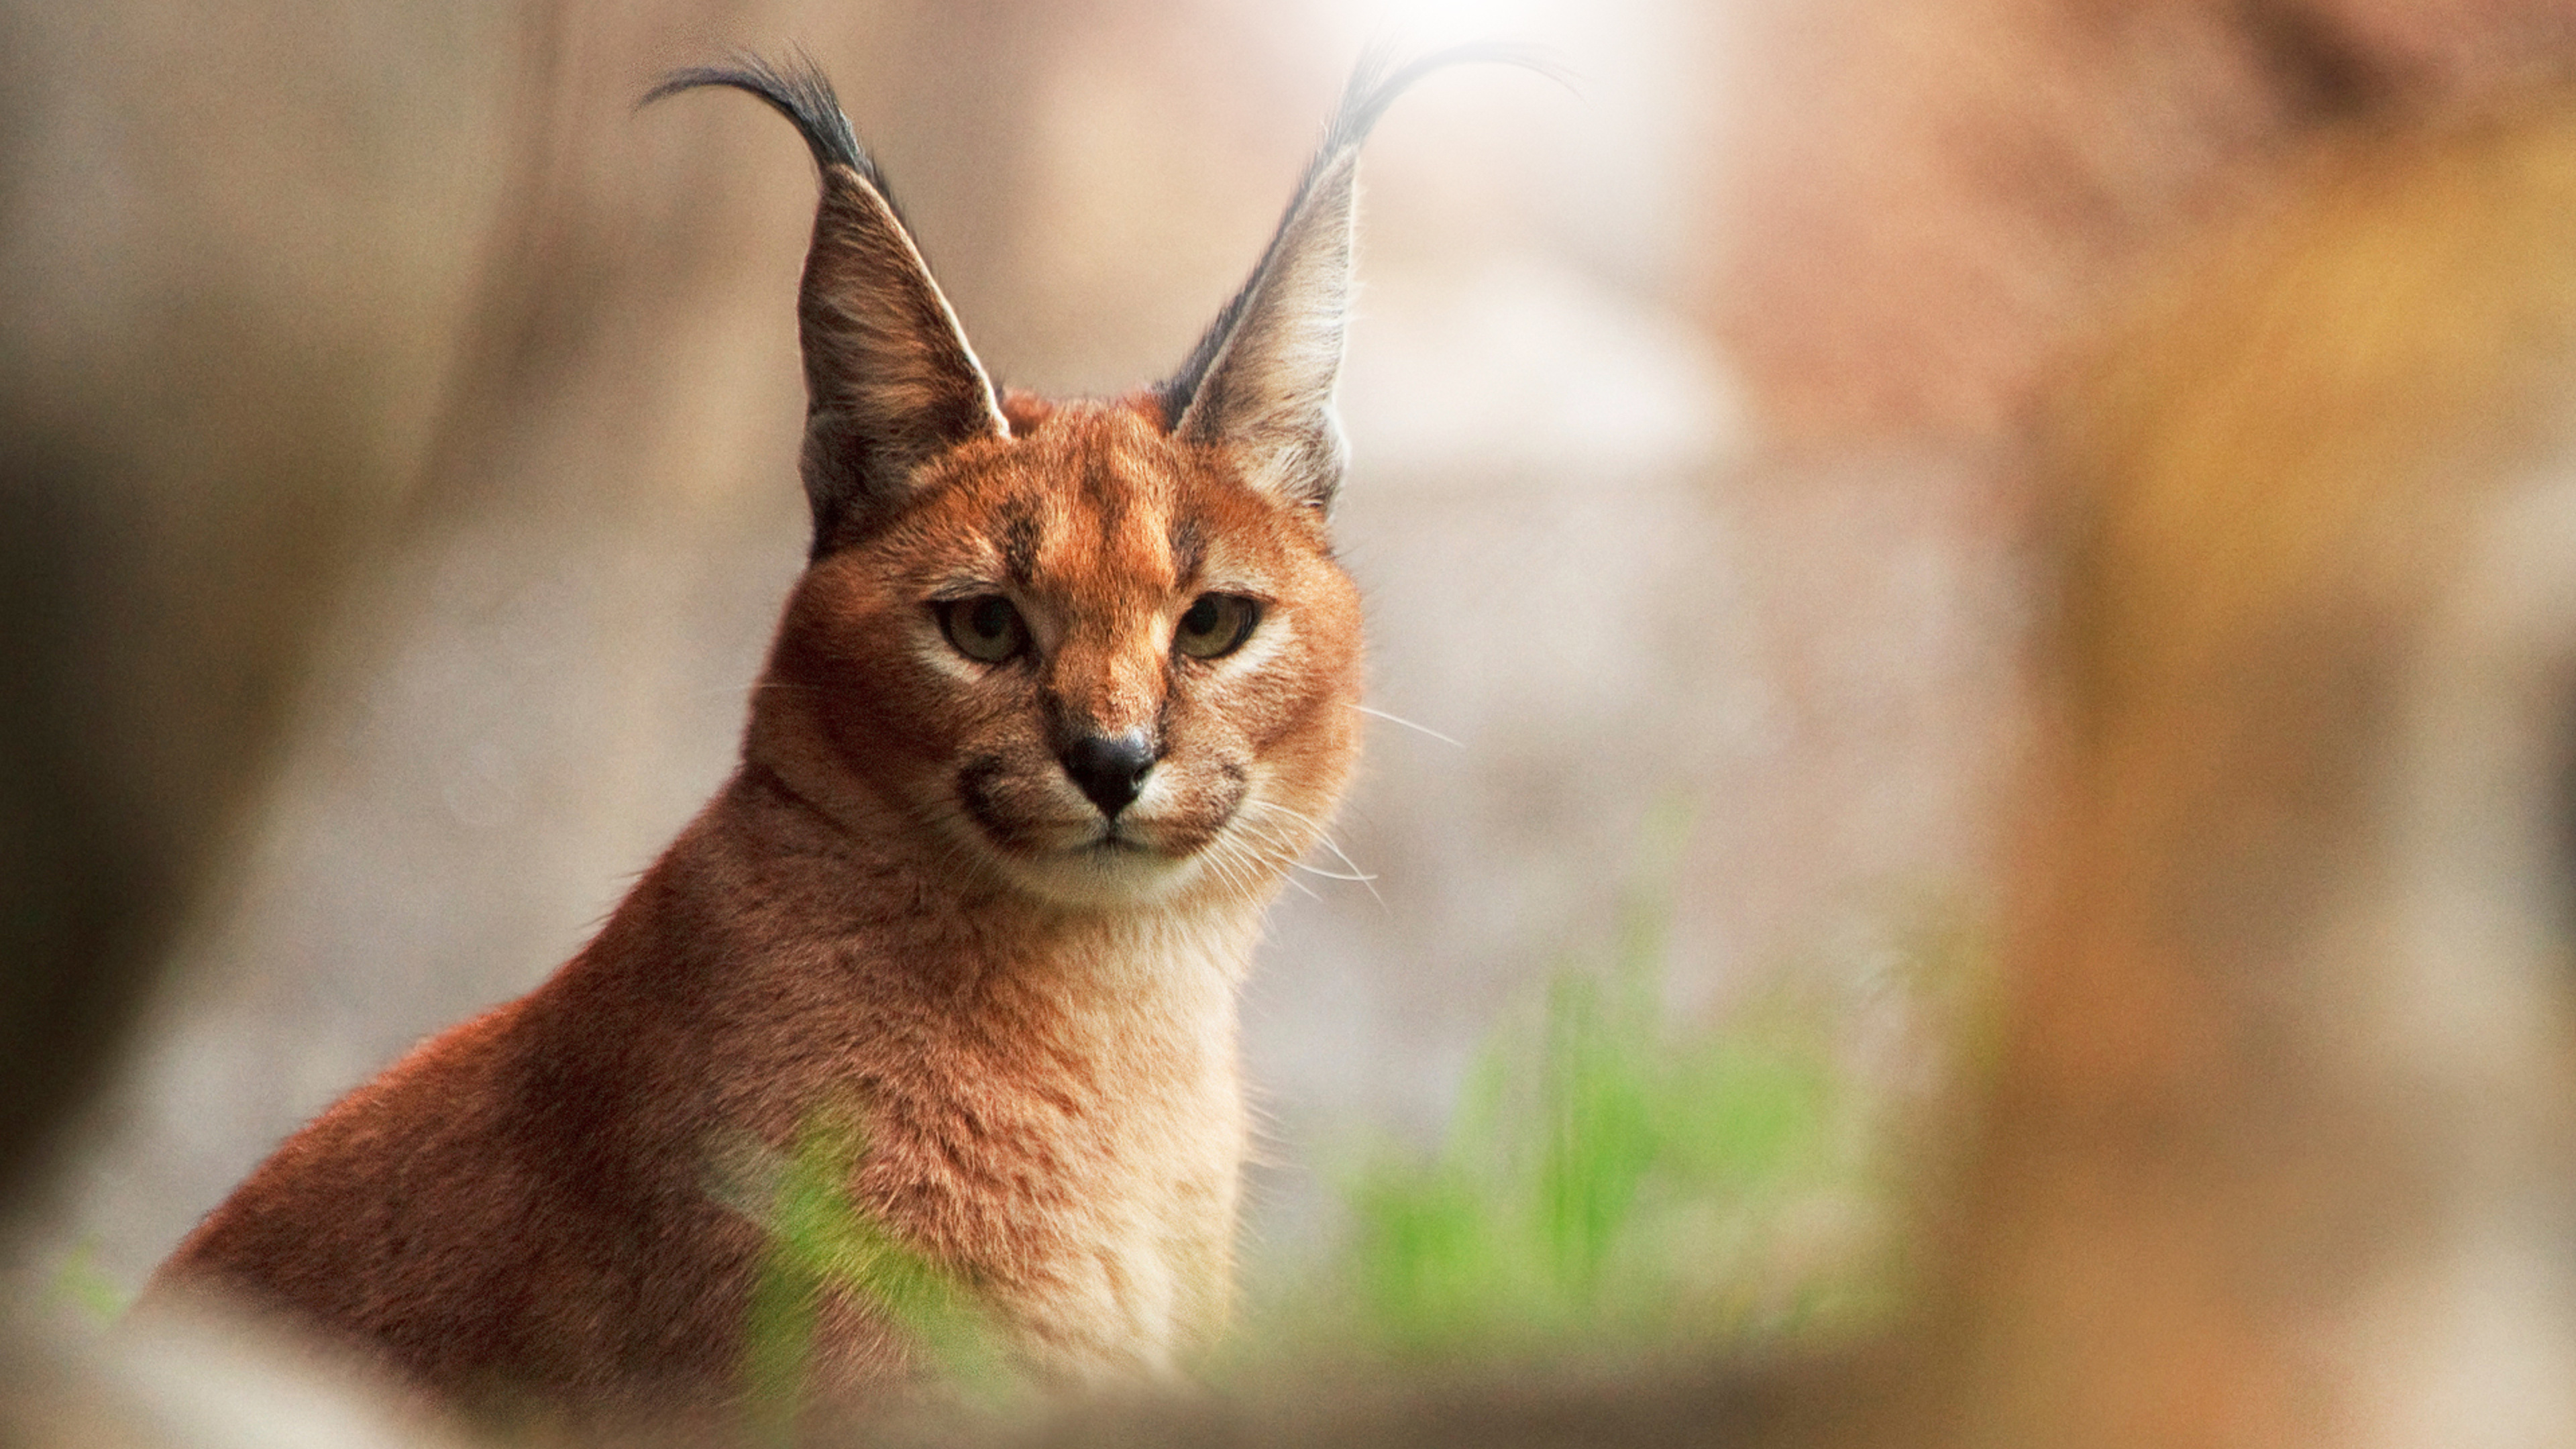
x=1088, y=660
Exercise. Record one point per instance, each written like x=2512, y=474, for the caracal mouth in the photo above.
x=1117, y=865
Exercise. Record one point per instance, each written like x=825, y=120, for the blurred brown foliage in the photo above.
x=1936, y=198
x=222, y=336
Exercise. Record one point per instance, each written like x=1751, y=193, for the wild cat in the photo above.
x=1065, y=689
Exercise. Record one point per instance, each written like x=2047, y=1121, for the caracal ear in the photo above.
x=890, y=381
x=1259, y=384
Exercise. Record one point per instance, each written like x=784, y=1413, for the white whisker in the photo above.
x=1246, y=851
x=1264, y=835
x=1259, y=865
x=1324, y=838
x=1329, y=874
x=1245, y=868
x=1408, y=724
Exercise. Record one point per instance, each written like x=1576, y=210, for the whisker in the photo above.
x=1247, y=872
x=1324, y=838
x=1408, y=724
x=1261, y=853
x=1292, y=814
x=1228, y=855
x=1365, y=878
x=1329, y=874
x=1279, y=853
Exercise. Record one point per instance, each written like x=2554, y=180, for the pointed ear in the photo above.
x=1260, y=381
x=1265, y=388
x=890, y=381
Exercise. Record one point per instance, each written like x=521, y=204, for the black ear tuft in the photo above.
x=1261, y=377
x=890, y=380
x=797, y=91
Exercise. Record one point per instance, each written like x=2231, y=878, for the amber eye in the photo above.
x=984, y=627
x=1216, y=625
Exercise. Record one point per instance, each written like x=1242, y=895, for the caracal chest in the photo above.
x=1093, y=1110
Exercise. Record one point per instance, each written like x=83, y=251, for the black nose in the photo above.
x=1110, y=768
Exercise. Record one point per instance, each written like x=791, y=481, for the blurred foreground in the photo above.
x=398, y=474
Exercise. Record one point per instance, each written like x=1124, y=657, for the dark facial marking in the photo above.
x=975, y=791
x=1107, y=492
x=1019, y=542
x=1189, y=550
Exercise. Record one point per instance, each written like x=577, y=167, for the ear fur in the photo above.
x=889, y=378
x=1260, y=381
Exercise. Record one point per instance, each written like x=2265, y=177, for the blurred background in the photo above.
x=421, y=419
x=565, y=329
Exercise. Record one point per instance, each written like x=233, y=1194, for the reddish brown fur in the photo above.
x=1041, y=1052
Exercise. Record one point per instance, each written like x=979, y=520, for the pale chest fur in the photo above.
x=1066, y=1132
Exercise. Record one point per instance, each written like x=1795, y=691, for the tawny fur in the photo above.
x=902, y=906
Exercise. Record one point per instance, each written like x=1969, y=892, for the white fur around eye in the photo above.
x=937, y=655
x=930, y=645
x=1268, y=637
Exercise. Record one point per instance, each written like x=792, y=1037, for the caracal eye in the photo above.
x=1216, y=625
x=984, y=628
